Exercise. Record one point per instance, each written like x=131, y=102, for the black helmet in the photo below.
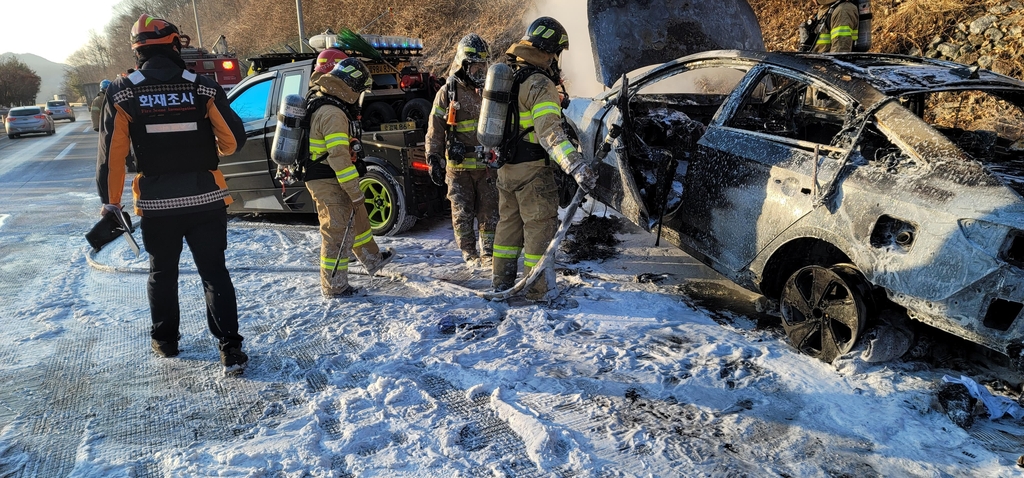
x=548, y=35
x=354, y=73
x=471, y=49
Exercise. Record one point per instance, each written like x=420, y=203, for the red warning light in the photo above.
x=228, y=65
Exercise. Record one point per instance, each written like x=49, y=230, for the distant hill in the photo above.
x=52, y=74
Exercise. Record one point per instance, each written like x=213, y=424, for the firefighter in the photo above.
x=451, y=134
x=833, y=28
x=527, y=193
x=333, y=180
x=178, y=123
x=97, y=105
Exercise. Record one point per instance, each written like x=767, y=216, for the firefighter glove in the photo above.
x=436, y=164
x=584, y=175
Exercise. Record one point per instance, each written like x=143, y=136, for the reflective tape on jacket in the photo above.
x=561, y=153
x=347, y=174
x=317, y=147
x=467, y=126
x=334, y=140
x=440, y=112
x=526, y=121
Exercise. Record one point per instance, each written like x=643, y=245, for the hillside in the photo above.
x=49, y=72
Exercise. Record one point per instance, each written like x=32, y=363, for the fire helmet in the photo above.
x=471, y=49
x=149, y=31
x=104, y=84
x=354, y=73
x=326, y=60
x=547, y=34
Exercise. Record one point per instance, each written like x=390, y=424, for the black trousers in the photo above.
x=207, y=236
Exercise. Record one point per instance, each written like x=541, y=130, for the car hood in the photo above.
x=625, y=36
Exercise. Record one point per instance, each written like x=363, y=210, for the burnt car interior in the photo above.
x=790, y=108
x=988, y=125
x=668, y=117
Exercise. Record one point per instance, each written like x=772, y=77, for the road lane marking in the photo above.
x=65, y=152
x=87, y=129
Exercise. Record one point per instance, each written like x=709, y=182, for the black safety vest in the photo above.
x=170, y=130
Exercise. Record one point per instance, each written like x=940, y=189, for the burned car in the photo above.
x=842, y=187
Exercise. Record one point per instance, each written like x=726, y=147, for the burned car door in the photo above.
x=661, y=119
x=760, y=166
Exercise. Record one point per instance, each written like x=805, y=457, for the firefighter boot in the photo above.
x=504, y=270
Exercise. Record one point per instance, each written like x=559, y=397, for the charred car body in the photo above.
x=837, y=185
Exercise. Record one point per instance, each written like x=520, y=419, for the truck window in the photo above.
x=252, y=104
x=292, y=84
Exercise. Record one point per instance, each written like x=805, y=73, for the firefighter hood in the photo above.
x=334, y=86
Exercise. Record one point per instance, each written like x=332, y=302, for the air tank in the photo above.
x=287, y=138
x=494, y=110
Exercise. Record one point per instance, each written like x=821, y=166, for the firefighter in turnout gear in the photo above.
x=333, y=180
x=451, y=134
x=527, y=193
x=178, y=123
x=97, y=105
x=835, y=26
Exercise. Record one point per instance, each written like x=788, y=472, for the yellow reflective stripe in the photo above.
x=439, y=111
x=546, y=108
x=328, y=263
x=468, y=163
x=347, y=174
x=562, y=151
x=507, y=252
x=842, y=31
x=530, y=260
x=363, y=239
x=317, y=146
x=531, y=138
x=465, y=126
x=335, y=139
x=825, y=39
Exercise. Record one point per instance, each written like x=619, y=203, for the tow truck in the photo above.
x=397, y=183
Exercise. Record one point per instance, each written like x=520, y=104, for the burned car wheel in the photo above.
x=385, y=202
x=824, y=310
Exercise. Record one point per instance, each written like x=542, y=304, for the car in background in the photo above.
x=60, y=109
x=848, y=189
x=28, y=119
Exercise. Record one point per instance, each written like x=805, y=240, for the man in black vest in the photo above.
x=178, y=123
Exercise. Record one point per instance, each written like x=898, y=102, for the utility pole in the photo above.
x=198, y=34
x=298, y=12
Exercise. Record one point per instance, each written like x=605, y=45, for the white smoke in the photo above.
x=577, y=62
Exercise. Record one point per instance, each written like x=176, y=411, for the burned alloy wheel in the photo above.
x=824, y=310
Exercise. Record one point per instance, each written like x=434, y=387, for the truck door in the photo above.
x=247, y=169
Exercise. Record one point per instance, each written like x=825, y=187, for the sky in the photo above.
x=417, y=376
x=25, y=27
